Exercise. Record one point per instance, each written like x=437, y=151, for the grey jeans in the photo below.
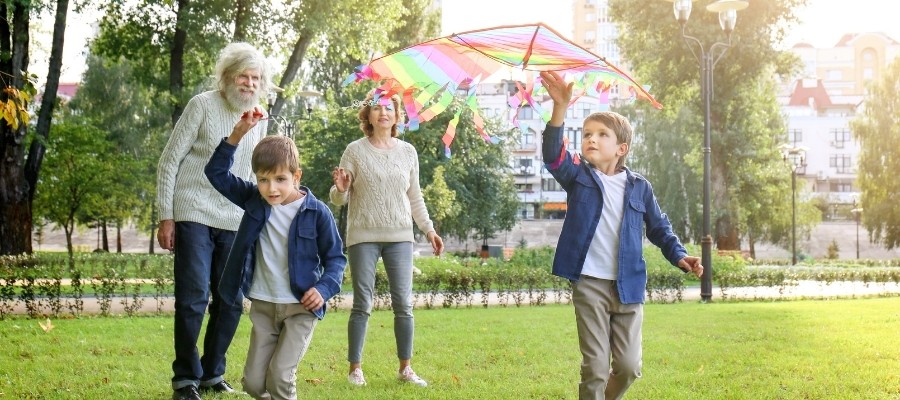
x=606, y=329
x=397, y=258
x=279, y=339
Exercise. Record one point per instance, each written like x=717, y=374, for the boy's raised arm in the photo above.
x=560, y=92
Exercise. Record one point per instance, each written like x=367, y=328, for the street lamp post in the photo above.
x=727, y=10
x=796, y=157
x=287, y=123
x=857, y=212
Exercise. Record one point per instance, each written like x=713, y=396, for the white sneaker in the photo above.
x=356, y=378
x=407, y=375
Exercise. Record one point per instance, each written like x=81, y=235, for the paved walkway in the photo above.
x=802, y=290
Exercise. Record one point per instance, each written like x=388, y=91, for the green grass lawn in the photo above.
x=840, y=349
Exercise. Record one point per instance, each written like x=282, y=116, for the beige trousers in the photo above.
x=280, y=336
x=606, y=329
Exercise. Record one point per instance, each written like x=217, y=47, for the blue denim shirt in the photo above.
x=585, y=203
x=315, y=251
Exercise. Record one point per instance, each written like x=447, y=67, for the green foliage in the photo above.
x=878, y=133
x=441, y=201
x=80, y=174
x=746, y=124
x=833, y=250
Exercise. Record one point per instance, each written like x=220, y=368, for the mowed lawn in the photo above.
x=834, y=349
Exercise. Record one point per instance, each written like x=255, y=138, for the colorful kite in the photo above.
x=430, y=75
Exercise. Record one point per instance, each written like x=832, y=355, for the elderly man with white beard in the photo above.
x=198, y=224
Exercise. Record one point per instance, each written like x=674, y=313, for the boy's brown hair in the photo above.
x=618, y=124
x=273, y=152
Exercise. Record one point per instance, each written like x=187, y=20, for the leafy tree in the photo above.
x=878, y=133
x=746, y=124
x=18, y=174
x=134, y=122
x=441, y=200
x=80, y=173
x=172, y=45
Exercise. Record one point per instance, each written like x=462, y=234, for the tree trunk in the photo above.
x=290, y=72
x=15, y=190
x=105, y=238
x=176, y=59
x=119, y=237
x=241, y=16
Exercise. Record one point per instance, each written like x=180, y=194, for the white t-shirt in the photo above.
x=602, y=257
x=270, y=278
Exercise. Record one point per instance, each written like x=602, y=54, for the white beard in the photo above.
x=240, y=101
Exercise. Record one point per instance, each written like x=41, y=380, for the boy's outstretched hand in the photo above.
x=560, y=92
x=691, y=264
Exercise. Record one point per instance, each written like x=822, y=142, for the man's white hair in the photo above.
x=237, y=58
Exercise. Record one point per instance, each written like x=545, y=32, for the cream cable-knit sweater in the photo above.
x=182, y=191
x=384, y=194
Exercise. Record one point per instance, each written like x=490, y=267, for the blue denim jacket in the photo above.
x=315, y=251
x=585, y=203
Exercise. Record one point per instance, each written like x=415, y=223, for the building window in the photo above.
x=574, y=136
x=841, y=137
x=551, y=185
x=868, y=73
x=526, y=113
x=841, y=187
x=795, y=135
x=527, y=137
x=589, y=17
x=841, y=163
x=835, y=75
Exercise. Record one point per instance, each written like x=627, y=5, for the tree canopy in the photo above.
x=746, y=123
x=878, y=130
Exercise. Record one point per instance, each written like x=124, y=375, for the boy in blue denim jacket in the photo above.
x=287, y=257
x=599, y=248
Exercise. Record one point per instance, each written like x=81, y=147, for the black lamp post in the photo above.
x=796, y=157
x=286, y=123
x=857, y=213
x=727, y=10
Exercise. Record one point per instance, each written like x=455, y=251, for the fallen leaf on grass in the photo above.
x=315, y=381
x=46, y=327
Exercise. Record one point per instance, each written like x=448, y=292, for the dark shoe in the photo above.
x=186, y=393
x=221, y=387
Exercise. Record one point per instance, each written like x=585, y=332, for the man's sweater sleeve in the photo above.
x=183, y=137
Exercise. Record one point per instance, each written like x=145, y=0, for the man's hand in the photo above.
x=312, y=300
x=691, y=264
x=166, y=234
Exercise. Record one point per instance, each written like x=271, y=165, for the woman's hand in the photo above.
x=342, y=179
x=436, y=242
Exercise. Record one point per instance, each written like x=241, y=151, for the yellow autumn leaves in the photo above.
x=13, y=109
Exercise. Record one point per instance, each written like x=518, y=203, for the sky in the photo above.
x=822, y=24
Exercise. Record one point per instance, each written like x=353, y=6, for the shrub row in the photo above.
x=51, y=285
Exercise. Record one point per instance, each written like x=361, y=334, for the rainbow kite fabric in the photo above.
x=429, y=75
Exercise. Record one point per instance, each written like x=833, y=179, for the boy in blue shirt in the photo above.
x=599, y=248
x=286, y=258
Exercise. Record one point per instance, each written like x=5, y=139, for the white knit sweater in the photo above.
x=182, y=191
x=384, y=194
